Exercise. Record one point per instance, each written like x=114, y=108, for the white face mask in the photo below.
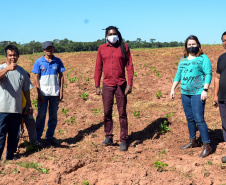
x=113, y=39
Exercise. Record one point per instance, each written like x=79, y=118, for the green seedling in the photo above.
x=95, y=111
x=160, y=166
x=164, y=127
x=145, y=65
x=135, y=74
x=34, y=166
x=72, y=80
x=73, y=120
x=15, y=171
x=158, y=95
x=176, y=63
x=65, y=111
x=136, y=114
x=87, y=79
x=84, y=96
x=68, y=74
x=35, y=104
x=85, y=182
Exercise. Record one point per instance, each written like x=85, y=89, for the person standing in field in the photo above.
x=13, y=82
x=49, y=82
x=112, y=58
x=195, y=73
x=220, y=88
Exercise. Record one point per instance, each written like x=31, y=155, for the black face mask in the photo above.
x=193, y=49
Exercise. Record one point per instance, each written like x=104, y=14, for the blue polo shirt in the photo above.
x=48, y=72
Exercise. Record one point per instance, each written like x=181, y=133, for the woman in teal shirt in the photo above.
x=195, y=74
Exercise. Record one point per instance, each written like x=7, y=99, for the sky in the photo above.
x=83, y=20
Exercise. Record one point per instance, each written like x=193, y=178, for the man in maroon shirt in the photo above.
x=112, y=58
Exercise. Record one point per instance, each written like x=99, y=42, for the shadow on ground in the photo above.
x=152, y=131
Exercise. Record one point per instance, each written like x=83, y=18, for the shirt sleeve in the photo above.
x=27, y=85
x=177, y=77
x=218, y=66
x=61, y=68
x=207, y=69
x=98, y=69
x=36, y=68
x=129, y=67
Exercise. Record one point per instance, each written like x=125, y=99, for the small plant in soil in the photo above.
x=158, y=95
x=135, y=74
x=35, y=166
x=34, y=103
x=164, y=127
x=72, y=80
x=176, y=63
x=84, y=96
x=160, y=166
x=87, y=79
x=65, y=111
x=95, y=111
x=85, y=183
x=136, y=114
x=72, y=120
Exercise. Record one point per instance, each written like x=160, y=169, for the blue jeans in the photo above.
x=53, y=102
x=9, y=123
x=194, y=111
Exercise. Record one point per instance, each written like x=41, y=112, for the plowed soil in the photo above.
x=152, y=158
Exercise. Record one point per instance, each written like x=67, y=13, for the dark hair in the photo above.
x=223, y=35
x=192, y=37
x=121, y=43
x=11, y=48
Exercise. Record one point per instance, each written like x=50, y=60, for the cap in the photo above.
x=46, y=44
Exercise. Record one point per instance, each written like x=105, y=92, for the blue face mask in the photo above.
x=193, y=49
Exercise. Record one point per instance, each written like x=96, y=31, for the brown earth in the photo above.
x=80, y=159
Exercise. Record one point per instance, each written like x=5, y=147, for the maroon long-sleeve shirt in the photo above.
x=111, y=61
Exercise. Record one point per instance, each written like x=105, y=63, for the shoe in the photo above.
x=53, y=141
x=223, y=159
x=123, y=147
x=14, y=158
x=108, y=141
x=191, y=144
x=38, y=144
x=206, y=150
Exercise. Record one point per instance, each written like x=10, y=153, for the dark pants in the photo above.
x=9, y=123
x=108, y=101
x=222, y=107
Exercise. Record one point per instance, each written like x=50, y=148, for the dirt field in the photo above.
x=153, y=157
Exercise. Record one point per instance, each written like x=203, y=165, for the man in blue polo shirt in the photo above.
x=49, y=82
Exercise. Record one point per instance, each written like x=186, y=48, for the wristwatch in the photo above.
x=205, y=90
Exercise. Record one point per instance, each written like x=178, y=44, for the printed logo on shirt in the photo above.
x=55, y=68
x=43, y=68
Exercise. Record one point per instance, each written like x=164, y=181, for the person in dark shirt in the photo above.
x=220, y=88
x=112, y=58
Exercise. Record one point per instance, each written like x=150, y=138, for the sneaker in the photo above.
x=108, y=141
x=53, y=141
x=38, y=144
x=123, y=147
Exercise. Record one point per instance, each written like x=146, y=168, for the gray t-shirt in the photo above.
x=11, y=87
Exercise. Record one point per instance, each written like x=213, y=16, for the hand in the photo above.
x=172, y=94
x=128, y=89
x=12, y=66
x=203, y=96
x=98, y=91
x=215, y=101
x=40, y=98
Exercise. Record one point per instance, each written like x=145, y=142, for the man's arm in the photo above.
x=130, y=72
x=61, y=80
x=216, y=88
x=40, y=96
x=10, y=67
x=98, y=72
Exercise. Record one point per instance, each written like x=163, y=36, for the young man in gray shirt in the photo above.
x=13, y=81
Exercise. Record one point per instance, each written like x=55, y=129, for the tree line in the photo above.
x=66, y=45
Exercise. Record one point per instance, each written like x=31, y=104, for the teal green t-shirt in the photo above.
x=193, y=74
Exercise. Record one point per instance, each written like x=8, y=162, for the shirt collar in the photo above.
x=44, y=60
